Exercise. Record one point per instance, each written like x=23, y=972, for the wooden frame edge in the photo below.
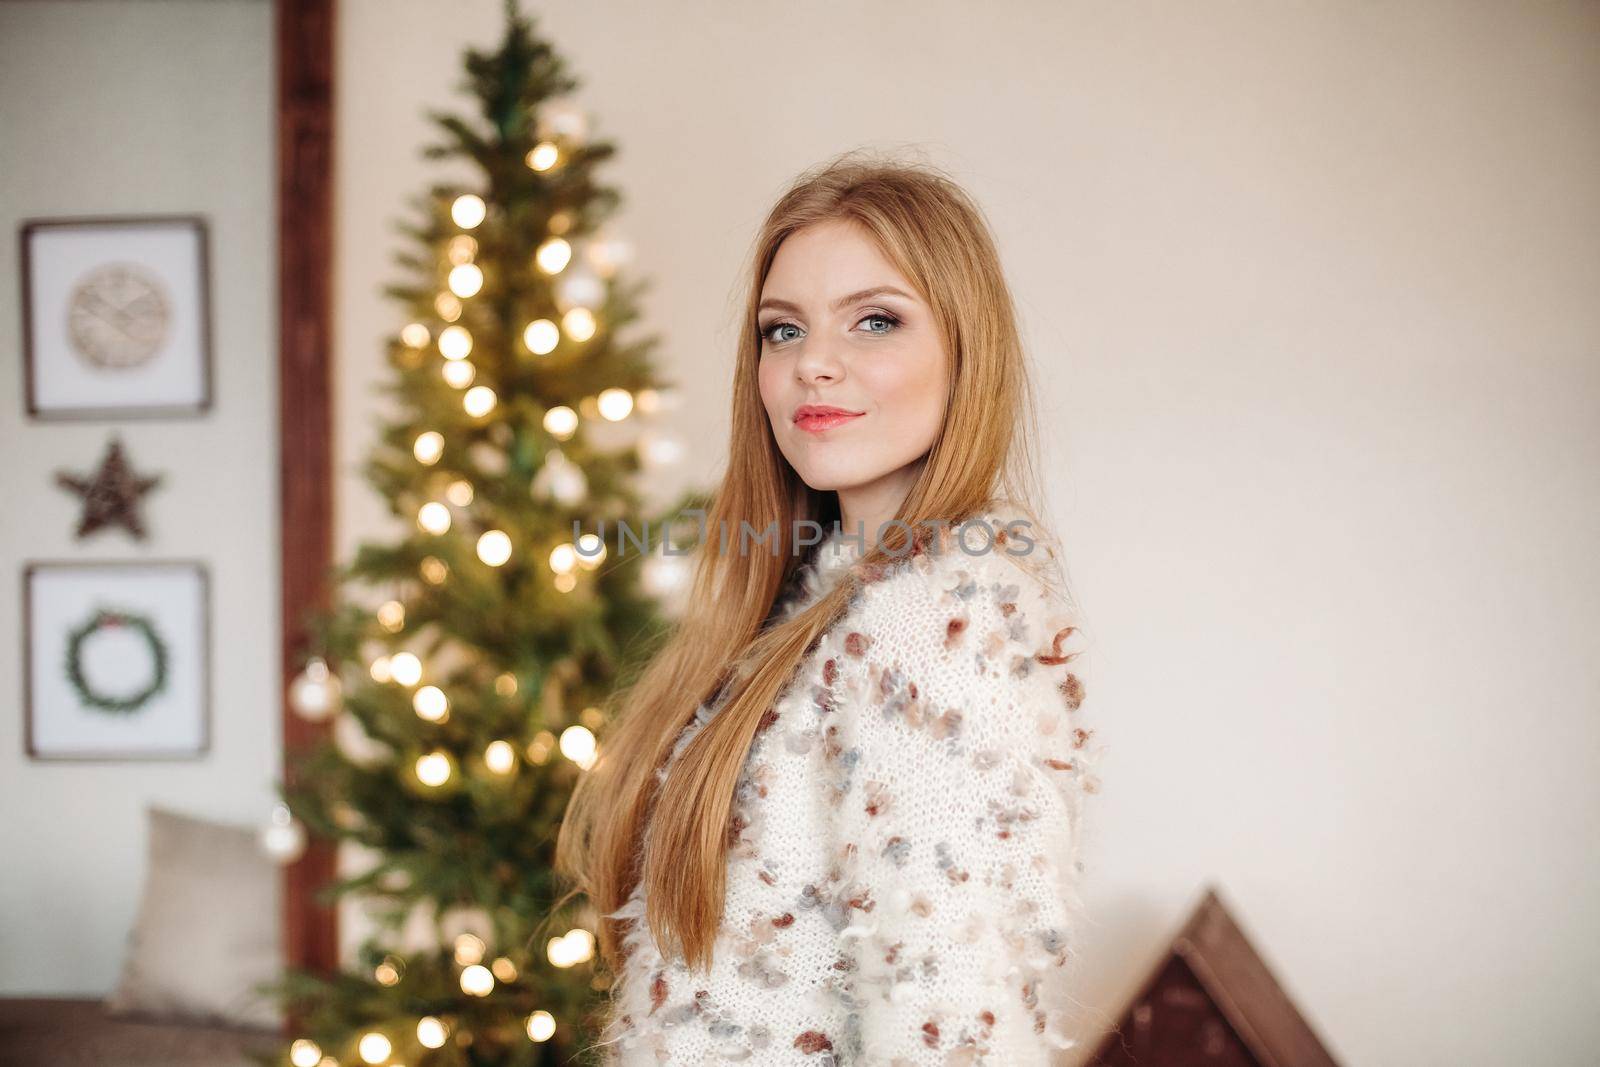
x=202, y=570
x=304, y=41
x=204, y=296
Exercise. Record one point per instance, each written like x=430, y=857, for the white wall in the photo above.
x=1312, y=292
x=119, y=108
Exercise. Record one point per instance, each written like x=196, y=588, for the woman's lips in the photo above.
x=818, y=423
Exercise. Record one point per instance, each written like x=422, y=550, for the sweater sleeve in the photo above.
x=955, y=835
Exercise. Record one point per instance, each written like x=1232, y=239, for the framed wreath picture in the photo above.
x=116, y=660
x=116, y=317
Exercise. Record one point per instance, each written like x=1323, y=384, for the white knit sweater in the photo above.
x=903, y=886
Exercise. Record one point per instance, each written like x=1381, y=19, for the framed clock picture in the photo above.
x=116, y=317
x=116, y=660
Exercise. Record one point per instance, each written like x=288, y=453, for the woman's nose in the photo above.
x=818, y=359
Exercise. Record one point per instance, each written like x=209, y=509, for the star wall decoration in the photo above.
x=111, y=495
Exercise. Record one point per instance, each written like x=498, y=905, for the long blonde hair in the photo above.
x=723, y=644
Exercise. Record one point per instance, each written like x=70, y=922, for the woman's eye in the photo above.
x=766, y=334
x=881, y=317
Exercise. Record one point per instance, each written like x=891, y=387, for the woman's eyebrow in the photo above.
x=848, y=298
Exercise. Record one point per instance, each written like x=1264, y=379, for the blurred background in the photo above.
x=1310, y=294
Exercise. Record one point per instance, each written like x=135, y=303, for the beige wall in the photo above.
x=139, y=108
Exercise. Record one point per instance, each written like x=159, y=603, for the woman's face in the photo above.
x=842, y=329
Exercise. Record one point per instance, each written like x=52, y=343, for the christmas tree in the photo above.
x=467, y=664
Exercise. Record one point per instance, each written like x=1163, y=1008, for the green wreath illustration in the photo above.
x=107, y=619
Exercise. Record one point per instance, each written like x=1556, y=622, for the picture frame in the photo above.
x=116, y=659
x=116, y=316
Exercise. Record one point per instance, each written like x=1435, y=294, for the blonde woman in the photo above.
x=836, y=821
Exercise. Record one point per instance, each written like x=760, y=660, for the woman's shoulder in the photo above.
x=976, y=625
x=992, y=584
x=999, y=550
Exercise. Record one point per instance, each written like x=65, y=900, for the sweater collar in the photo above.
x=825, y=564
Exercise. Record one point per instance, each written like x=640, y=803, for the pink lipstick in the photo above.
x=815, y=418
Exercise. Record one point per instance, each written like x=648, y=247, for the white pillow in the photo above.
x=208, y=927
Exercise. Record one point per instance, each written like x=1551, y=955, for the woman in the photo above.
x=836, y=822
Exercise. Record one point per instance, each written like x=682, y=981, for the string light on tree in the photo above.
x=315, y=692
x=466, y=280
x=469, y=949
x=561, y=422
x=434, y=570
x=539, y=749
x=389, y=970
x=494, y=547
x=431, y=1032
x=433, y=517
x=415, y=335
x=553, y=255
x=433, y=769
x=500, y=757
x=379, y=670
x=578, y=745
x=541, y=1025
x=428, y=447
x=479, y=401
x=563, y=558
x=459, y=492
x=305, y=1053
x=504, y=969
x=541, y=336
x=374, y=1048
x=582, y=941
x=615, y=403
x=579, y=323
x=591, y=551
x=573, y=947
x=458, y=374
x=447, y=306
x=477, y=981
x=431, y=704
x=405, y=668
x=392, y=616
x=463, y=248
x=468, y=210
x=455, y=342
x=543, y=156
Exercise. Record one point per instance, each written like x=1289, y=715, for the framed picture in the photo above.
x=116, y=660
x=116, y=317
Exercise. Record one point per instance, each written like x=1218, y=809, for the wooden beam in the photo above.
x=305, y=45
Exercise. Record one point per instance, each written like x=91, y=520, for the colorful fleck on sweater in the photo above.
x=902, y=889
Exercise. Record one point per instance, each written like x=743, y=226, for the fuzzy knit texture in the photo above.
x=903, y=886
